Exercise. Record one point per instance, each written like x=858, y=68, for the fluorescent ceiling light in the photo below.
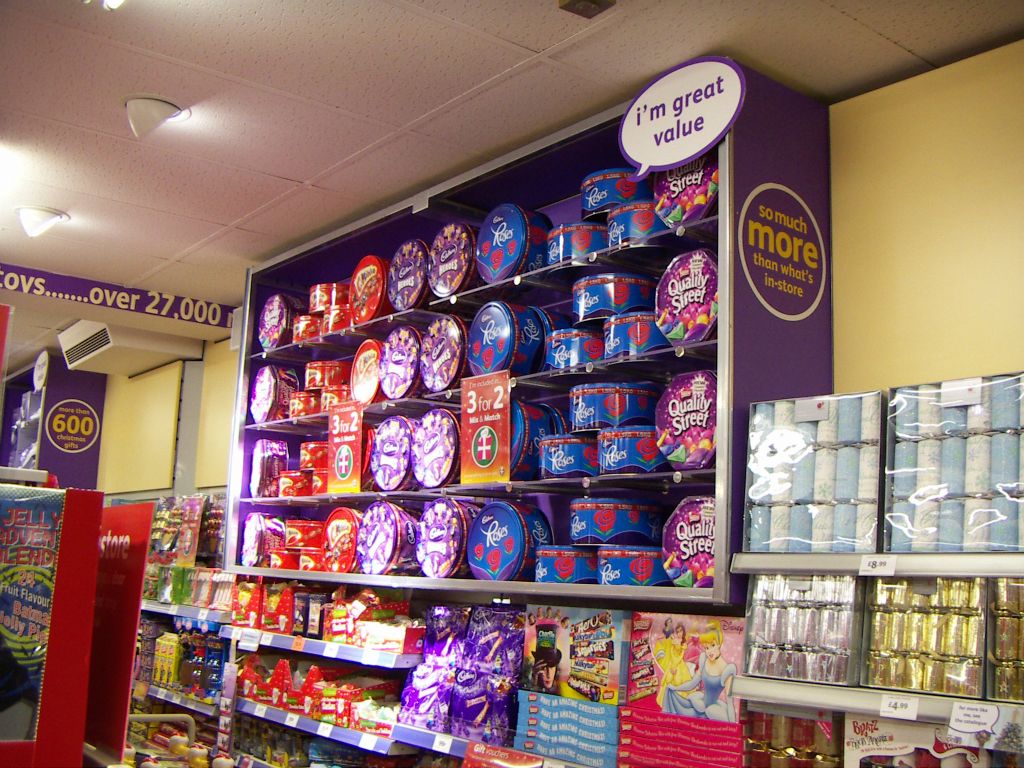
x=112, y=5
x=35, y=220
x=145, y=114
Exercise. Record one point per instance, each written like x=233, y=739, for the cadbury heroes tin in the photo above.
x=631, y=566
x=685, y=418
x=686, y=302
x=441, y=544
x=391, y=456
x=632, y=333
x=618, y=522
x=615, y=404
x=511, y=240
x=568, y=456
x=443, y=353
x=504, y=336
x=609, y=188
x=386, y=542
x=566, y=565
x=574, y=242
x=633, y=224
x=502, y=541
x=572, y=347
x=629, y=449
x=407, y=275
x=599, y=296
x=399, y=368
x=451, y=266
x=435, y=448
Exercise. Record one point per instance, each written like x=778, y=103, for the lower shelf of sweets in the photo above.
x=176, y=698
x=365, y=656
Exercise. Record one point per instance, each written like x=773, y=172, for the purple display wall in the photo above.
x=69, y=443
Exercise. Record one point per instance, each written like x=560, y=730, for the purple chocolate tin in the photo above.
x=685, y=419
x=599, y=296
x=566, y=565
x=503, y=539
x=511, y=240
x=504, y=336
x=435, y=448
x=615, y=404
x=407, y=275
x=686, y=305
x=687, y=193
x=618, y=522
x=274, y=328
x=391, y=455
x=633, y=333
x=630, y=449
x=631, y=566
x=386, y=542
x=443, y=353
x=633, y=224
x=399, y=365
x=611, y=187
x=272, y=389
x=571, y=347
x=441, y=546
x=568, y=456
x=574, y=242
x=688, y=543
x=450, y=266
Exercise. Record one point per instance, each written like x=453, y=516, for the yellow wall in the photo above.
x=220, y=370
x=928, y=225
x=140, y=421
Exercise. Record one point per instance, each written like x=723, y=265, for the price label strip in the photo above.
x=372, y=658
x=442, y=743
x=898, y=707
x=878, y=565
x=367, y=741
x=260, y=711
x=324, y=729
x=291, y=720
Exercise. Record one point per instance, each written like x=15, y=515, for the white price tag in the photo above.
x=878, y=565
x=236, y=633
x=549, y=763
x=331, y=650
x=204, y=614
x=371, y=658
x=250, y=640
x=899, y=707
x=260, y=711
x=324, y=729
x=291, y=720
x=811, y=409
x=176, y=698
x=442, y=743
x=173, y=610
x=960, y=392
x=367, y=741
x=267, y=638
x=973, y=717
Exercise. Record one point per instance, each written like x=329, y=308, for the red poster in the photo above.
x=487, y=756
x=484, y=440
x=344, y=448
x=124, y=540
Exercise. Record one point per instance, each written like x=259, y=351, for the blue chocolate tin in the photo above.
x=502, y=541
x=572, y=347
x=511, y=240
x=609, y=188
x=529, y=424
x=632, y=566
x=504, y=336
x=630, y=449
x=614, y=521
x=568, y=456
x=633, y=223
x=552, y=321
x=566, y=565
x=599, y=296
x=616, y=404
x=559, y=421
x=574, y=242
x=633, y=333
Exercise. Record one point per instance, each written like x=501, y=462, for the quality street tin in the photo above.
x=596, y=406
x=504, y=336
x=687, y=193
x=386, y=542
x=686, y=303
x=631, y=566
x=632, y=333
x=566, y=565
x=443, y=353
x=451, y=265
x=609, y=188
x=435, y=448
x=391, y=456
x=399, y=369
x=572, y=347
x=688, y=543
x=619, y=522
x=685, y=418
x=629, y=449
x=368, y=292
x=568, y=456
x=365, y=384
x=407, y=275
x=441, y=545
x=633, y=224
x=274, y=328
x=599, y=296
x=511, y=240
x=574, y=242
x=272, y=390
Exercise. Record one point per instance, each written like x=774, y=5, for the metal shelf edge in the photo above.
x=424, y=739
x=181, y=700
x=314, y=647
x=190, y=611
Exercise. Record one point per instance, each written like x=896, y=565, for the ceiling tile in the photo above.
x=940, y=32
x=63, y=156
x=235, y=246
x=802, y=43
x=302, y=213
x=220, y=282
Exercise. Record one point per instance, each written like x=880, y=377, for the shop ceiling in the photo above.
x=308, y=114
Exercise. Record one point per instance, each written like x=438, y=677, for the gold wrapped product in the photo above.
x=879, y=626
x=953, y=635
x=973, y=636
x=933, y=673
x=914, y=631
x=913, y=671
x=894, y=634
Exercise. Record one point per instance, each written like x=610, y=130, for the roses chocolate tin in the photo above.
x=443, y=353
x=368, y=292
x=617, y=522
x=632, y=333
x=274, y=328
x=529, y=424
x=687, y=193
x=504, y=336
x=566, y=565
x=611, y=187
x=572, y=347
x=559, y=422
x=365, y=384
x=599, y=296
x=272, y=389
x=391, y=456
x=502, y=541
x=568, y=456
x=435, y=448
x=685, y=419
x=511, y=240
x=407, y=275
x=386, y=542
x=686, y=303
x=631, y=566
x=615, y=404
x=633, y=224
x=630, y=449
x=441, y=545
x=341, y=532
x=451, y=264
x=574, y=242
x=399, y=369
x=688, y=543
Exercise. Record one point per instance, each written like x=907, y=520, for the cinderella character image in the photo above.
x=696, y=677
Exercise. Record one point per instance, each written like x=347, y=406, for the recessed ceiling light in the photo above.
x=146, y=113
x=112, y=5
x=36, y=220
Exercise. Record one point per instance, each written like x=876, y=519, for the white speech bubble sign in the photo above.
x=681, y=114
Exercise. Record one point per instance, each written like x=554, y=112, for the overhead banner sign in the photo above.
x=50, y=285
